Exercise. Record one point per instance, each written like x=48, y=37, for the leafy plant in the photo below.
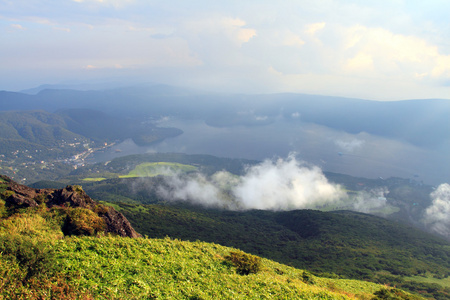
x=245, y=263
x=307, y=277
x=82, y=221
x=392, y=294
x=33, y=256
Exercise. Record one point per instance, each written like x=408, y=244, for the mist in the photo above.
x=437, y=215
x=279, y=184
x=369, y=201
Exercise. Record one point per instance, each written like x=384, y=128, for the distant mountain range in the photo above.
x=420, y=122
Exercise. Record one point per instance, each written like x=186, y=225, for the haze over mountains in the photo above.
x=408, y=138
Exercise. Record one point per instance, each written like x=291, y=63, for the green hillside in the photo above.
x=339, y=244
x=36, y=135
x=40, y=260
x=124, y=268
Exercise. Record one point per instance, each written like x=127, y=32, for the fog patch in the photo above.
x=369, y=201
x=281, y=184
x=437, y=215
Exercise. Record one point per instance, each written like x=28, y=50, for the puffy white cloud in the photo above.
x=437, y=215
x=283, y=184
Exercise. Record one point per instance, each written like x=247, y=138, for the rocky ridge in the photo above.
x=20, y=196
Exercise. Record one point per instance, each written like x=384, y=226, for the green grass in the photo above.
x=445, y=282
x=94, y=179
x=351, y=245
x=119, y=268
x=151, y=169
x=38, y=262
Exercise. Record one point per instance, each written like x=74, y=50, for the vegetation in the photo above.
x=352, y=245
x=245, y=263
x=151, y=169
x=37, y=263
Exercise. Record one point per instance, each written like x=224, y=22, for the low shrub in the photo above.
x=393, y=294
x=32, y=255
x=307, y=278
x=244, y=263
x=82, y=221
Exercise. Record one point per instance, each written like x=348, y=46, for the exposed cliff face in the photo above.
x=21, y=196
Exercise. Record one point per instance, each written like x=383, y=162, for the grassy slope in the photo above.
x=36, y=263
x=346, y=243
x=173, y=269
x=351, y=244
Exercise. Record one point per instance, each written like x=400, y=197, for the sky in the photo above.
x=379, y=50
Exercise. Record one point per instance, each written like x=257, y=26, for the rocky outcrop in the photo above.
x=21, y=196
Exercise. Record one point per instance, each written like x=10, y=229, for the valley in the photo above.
x=322, y=194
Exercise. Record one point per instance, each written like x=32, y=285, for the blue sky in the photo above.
x=383, y=50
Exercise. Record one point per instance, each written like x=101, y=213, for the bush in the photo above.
x=244, y=263
x=33, y=256
x=3, y=211
x=82, y=221
x=392, y=294
x=307, y=278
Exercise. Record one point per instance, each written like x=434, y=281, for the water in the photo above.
x=360, y=154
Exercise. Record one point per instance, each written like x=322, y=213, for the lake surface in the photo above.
x=360, y=154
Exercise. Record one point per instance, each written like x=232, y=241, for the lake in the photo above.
x=360, y=154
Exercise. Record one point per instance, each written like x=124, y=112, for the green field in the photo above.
x=147, y=169
x=151, y=169
x=94, y=179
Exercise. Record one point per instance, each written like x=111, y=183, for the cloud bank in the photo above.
x=282, y=184
x=437, y=215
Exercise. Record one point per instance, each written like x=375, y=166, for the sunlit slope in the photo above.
x=172, y=269
x=349, y=244
x=36, y=262
x=41, y=259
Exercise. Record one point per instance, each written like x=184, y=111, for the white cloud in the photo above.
x=437, y=215
x=283, y=184
x=362, y=62
x=381, y=52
